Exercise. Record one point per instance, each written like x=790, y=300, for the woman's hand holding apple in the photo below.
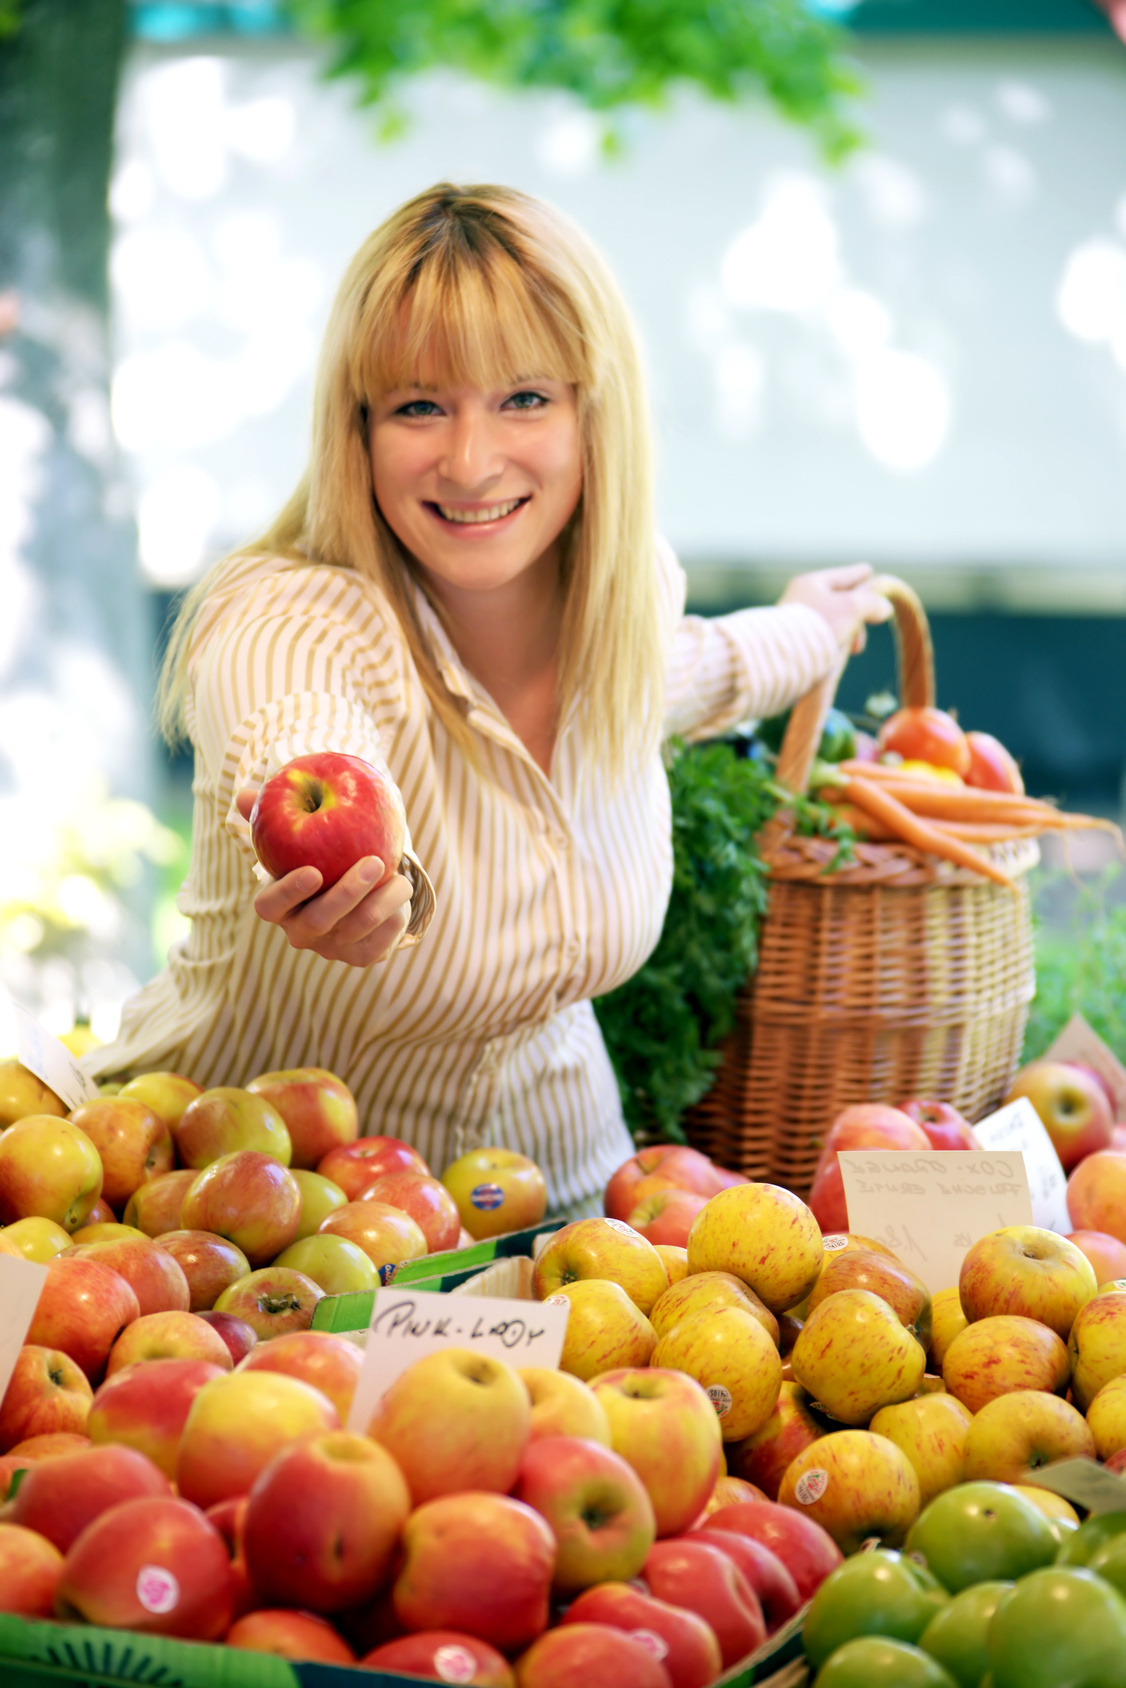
x=349, y=922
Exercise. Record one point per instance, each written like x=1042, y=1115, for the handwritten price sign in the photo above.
x=404, y=1328
x=930, y=1208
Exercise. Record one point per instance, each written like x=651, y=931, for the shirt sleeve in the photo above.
x=744, y=666
x=272, y=687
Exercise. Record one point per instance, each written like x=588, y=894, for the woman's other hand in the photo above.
x=844, y=597
x=349, y=922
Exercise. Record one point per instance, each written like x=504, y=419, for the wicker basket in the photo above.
x=900, y=975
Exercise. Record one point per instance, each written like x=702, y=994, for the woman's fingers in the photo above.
x=352, y=921
x=246, y=799
x=279, y=898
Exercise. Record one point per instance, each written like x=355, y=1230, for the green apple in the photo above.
x=957, y=1636
x=1060, y=1625
x=873, y=1661
x=333, y=1263
x=1090, y=1536
x=1109, y=1562
x=979, y=1531
x=319, y=1197
x=879, y=1593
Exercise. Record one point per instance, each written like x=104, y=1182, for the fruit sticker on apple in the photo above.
x=405, y=1328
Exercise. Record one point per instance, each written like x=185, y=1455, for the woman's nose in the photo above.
x=472, y=455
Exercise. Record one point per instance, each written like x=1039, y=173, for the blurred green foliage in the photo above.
x=608, y=53
x=1081, y=968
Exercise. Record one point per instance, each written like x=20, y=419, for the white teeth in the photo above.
x=492, y=514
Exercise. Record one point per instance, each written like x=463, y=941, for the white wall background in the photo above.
x=920, y=359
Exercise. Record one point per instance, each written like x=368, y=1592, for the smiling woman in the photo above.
x=466, y=591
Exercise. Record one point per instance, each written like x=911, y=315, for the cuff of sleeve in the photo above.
x=816, y=634
x=422, y=899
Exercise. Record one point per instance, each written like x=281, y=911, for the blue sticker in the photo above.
x=386, y=1273
x=487, y=1196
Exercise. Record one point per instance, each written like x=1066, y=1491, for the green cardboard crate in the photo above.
x=432, y=1274
x=36, y=1654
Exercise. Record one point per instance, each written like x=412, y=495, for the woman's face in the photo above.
x=478, y=486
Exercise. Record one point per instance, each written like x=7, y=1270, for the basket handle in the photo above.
x=915, y=655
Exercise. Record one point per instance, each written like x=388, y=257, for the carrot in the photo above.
x=982, y=832
x=912, y=830
x=970, y=803
x=865, y=826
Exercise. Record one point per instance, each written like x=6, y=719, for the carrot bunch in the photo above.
x=883, y=804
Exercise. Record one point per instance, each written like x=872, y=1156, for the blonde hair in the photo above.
x=488, y=285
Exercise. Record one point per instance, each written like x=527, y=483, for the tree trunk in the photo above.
x=75, y=640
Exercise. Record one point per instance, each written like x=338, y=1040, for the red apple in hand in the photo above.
x=1072, y=1105
x=944, y=1125
x=328, y=811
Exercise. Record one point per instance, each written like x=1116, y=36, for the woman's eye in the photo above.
x=417, y=407
x=527, y=401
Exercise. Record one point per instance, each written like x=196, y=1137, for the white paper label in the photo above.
x=51, y=1060
x=811, y=1485
x=1080, y=1042
x=1019, y=1126
x=1085, y=1483
x=929, y=1208
x=21, y=1285
x=405, y=1328
x=157, y=1589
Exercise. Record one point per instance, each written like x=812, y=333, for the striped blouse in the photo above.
x=546, y=892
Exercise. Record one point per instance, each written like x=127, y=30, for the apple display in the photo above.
x=330, y=1363
x=883, y=1597
x=597, y=1506
x=764, y=1235
x=1097, y=1345
x=455, y=1420
x=23, y=1093
x=595, y=1655
x=944, y=1125
x=1096, y=1193
x=30, y=1569
x=318, y=1108
x=1010, y=1438
x=156, y=1565
x=688, y=1572
x=769, y=1580
x=1106, y=1254
x=83, y=1308
x=805, y=1547
x=386, y=1234
x=663, y=1424
x=855, y=1484
x=167, y=1094
x=272, y=1301
x=49, y=1169
x=605, y=1329
x=427, y=1201
x=146, y=1407
x=134, y=1144
x=210, y=1264
x=155, y=1207
x=335, y=1265
x=764, y=1455
x=703, y=1291
x=353, y=1166
x=479, y=1563
x=248, y=1197
x=328, y=810
x=36, y=1239
x=1025, y=1270
x=319, y=1197
x=496, y=1190
x=156, y=1278
x=996, y=1355
x=903, y=1290
x=733, y=1360
x=236, y=1425
x=226, y=1121
x=563, y=1405
x=979, y=1531
x=947, y=1320
x=931, y=1431
x=1106, y=1417
x=167, y=1336
x=47, y=1393
x=59, y=1497
x=1072, y=1105
x=238, y=1337
x=323, y=1521
x=603, y=1249
x=854, y=1356
x=290, y=1635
